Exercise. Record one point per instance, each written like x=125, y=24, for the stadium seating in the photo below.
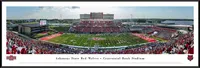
x=98, y=26
x=19, y=45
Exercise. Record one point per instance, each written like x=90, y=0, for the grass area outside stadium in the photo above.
x=43, y=34
x=103, y=40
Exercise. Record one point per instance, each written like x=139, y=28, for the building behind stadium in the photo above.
x=31, y=28
x=96, y=15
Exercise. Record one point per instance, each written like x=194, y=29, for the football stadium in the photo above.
x=99, y=33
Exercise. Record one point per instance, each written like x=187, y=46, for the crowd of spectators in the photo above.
x=182, y=44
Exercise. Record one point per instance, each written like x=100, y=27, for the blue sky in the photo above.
x=120, y=12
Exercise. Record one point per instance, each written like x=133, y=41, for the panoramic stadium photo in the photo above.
x=99, y=30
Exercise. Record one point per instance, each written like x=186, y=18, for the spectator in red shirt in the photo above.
x=14, y=49
x=191, y=50
x=23, y=51
x=8, y=51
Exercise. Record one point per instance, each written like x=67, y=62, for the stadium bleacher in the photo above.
x=98, y=27
x=19, y=45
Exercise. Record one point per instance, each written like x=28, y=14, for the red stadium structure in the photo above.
x=98, y=26
x=98, y=23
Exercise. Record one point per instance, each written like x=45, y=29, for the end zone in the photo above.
x=50, y=37
x=144, y=37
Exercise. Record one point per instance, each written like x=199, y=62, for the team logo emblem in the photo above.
x=190, y=57
x=11, y=57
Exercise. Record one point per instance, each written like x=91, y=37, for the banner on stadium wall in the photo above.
x=43, y=22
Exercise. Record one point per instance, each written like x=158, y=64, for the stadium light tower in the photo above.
x=121, y=18
x=60, y=16
x=131, y=17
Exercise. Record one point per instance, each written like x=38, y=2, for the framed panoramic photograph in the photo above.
x=100, y=34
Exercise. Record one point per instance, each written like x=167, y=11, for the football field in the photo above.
x=103, y=40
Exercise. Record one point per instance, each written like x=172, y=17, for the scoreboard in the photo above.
x=43, y=22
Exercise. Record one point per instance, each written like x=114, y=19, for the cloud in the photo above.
x=75, y=7
x=51, y=12
x=60, y=7
x=170, y=11
x=44, y=7
x=69, y=12
x=41, y=7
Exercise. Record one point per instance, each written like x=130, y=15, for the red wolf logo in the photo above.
x=190, y=57
x=11, y=57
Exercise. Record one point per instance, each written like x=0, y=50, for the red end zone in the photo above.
x=51, y=36
x=144, y=37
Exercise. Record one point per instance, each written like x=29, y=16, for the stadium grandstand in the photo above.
x=97, y=23
x=98, y=33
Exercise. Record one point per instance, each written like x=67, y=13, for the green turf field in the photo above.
x=60, y=28
x=108, y=39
